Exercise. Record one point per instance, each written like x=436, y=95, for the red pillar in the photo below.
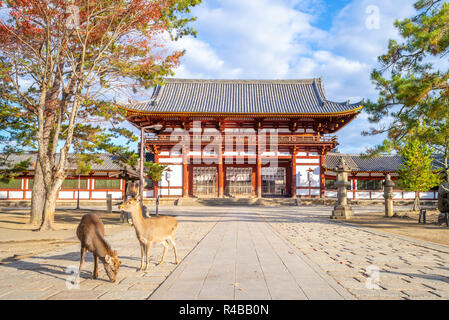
x=155, y=183
x=322, y=177
x=220, y=172
x=141, y=161
x=293, y=184
x=259, y=175
x=185, y=178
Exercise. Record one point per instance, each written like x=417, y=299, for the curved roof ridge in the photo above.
x=359, y=154
x=293, y=81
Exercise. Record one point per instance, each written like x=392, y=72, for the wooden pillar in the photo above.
x=185, y=178
x=293, y=183
x=155, y=183
x=142, y=156
x=259, y=174
x=220, y=172
x=322, y=177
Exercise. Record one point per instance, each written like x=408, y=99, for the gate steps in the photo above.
x=272, y=202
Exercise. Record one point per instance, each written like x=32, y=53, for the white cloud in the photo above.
x=257, y=39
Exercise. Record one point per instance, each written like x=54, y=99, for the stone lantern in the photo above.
x=342, y=210
x=388, y=195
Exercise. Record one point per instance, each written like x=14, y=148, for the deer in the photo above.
x=151, y=230
x=90, y=232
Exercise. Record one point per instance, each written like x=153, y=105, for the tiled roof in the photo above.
x=384, y=163
x=241, y=97
x=108, y=162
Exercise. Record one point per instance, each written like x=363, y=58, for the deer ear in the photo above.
x=108, y=258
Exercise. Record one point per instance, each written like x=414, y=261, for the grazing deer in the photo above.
x=90, y=232
x=160, y=229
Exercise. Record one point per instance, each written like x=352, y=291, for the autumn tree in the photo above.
x=412, y=81
x=69, y=58
x=417, y=172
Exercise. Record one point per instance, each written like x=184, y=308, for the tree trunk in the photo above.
x=48, y=214
x=38, y=196
x=416, y=204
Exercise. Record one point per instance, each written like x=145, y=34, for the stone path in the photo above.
x=242, y=258
x=248, y=253
x=48, y=276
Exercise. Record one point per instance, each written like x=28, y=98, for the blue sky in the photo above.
x=336, y=40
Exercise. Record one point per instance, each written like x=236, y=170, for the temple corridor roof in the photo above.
x=242, y=97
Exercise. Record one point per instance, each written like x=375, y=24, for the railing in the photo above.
x=240, y=139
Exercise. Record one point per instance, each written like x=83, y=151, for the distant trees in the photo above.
x=416, y=172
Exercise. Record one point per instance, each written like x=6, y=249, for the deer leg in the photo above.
x=174, y=249
x=95, y=274
x=147, y=255
x=165, y=243
x=83, y=254
x=142, y=254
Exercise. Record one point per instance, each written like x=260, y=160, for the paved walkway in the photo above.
x=246, y=259
x=49, y=275
x=248, y=253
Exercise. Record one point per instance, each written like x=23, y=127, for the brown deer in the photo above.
x=160, y=229
x=90, y=232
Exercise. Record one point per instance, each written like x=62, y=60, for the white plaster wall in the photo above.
x=409, y=195
x=65, y=194
x=84, y=194
x=15, y=194
x=305, y=192
x=397, y=195
x=3, y=194
x=302, y=176
x=148, y=194
x=330, y=194
x=362, y=195
x=175, y=177
x=173, y=192
x=427, y=195
x=28, y=194
x=377, y=195
x=98, y=194
x=116, y=195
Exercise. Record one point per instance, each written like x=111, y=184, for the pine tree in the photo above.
x=412, y=82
